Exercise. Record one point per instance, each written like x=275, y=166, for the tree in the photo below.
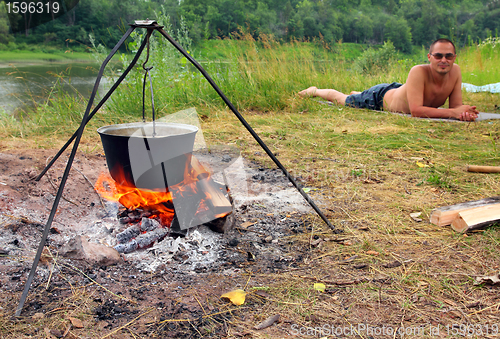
x=4, y=24
x=398, y=31
x=295, y=28
x=362, y=28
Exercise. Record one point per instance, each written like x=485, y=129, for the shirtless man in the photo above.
x=427, y=88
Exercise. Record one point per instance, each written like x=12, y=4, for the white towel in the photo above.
x=492, y=88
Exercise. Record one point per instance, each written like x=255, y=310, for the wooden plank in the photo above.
x=476, y=218
x=445, y=215
x=483, y=169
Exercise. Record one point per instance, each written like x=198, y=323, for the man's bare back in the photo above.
x=396, y=100
x=427, y=88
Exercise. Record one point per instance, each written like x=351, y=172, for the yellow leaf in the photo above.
x=319, y=287
x=237, y=297
x=419, y=164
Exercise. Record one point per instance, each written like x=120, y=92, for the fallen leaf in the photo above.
x=490, y=280
x=76, y=322
x=393, y=264
x=319, y=287
x=56, y=333
x=360, y=266
x=268, y=322
x=237, y=297
x=415, y=216
x=372, y=252
x=38, y=316
x=348, y=259
x=47, y=332
x=247, y=224
x=317, y=242
x=473, y=305
x=263, y=294
x=250, y=256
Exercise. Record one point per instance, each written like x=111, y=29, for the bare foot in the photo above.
x=311, y=91
x=355, y=92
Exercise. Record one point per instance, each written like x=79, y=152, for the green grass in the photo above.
x=33, y=57
x=479, y=64
x=260, y=77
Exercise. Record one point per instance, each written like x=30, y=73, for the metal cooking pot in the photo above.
x=137, y=157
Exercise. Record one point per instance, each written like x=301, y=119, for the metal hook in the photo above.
x=147, y=74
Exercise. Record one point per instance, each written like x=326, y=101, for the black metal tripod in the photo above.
x=151, y=26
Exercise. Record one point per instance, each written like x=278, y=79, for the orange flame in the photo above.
x=132, y=197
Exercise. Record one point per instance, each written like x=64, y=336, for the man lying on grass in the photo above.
x=427, y=88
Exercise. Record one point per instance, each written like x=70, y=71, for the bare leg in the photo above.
x=327, y=94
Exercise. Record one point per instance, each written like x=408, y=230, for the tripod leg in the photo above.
x=65, y=176
x=247, y=126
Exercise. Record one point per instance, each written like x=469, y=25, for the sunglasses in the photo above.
x=439, y=56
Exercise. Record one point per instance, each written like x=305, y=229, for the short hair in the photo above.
x=443, y=40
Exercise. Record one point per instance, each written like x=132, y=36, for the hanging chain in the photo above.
x=148, y=74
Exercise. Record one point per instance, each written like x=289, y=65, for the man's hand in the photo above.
x=466, y=113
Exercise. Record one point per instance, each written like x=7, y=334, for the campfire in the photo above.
x=154, y=214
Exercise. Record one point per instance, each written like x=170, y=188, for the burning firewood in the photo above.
x=196, y=200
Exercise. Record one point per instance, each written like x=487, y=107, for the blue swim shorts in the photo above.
x=372, y=98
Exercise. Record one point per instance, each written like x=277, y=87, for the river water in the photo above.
x=22, y=85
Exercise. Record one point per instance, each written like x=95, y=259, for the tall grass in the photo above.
x=479, y=63
x=260, y=75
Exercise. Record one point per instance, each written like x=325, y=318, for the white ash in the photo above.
x=267, y=190
x=249, y=185
x=200, y=248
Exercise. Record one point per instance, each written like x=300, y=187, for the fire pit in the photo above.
x=161, y=185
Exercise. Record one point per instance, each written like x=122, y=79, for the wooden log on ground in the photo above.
x=445, y=215
x=483, y=169
x=476, y=218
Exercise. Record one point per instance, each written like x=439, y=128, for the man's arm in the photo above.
x=455, y=99
x=467, y=113
x=415, y=93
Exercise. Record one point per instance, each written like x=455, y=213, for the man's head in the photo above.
x=442, y=54
x=442, y=40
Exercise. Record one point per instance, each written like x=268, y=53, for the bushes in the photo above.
x=373, y=60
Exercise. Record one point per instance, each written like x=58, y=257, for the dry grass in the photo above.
x=362, y=169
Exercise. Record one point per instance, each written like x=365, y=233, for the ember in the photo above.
x=194, y=201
